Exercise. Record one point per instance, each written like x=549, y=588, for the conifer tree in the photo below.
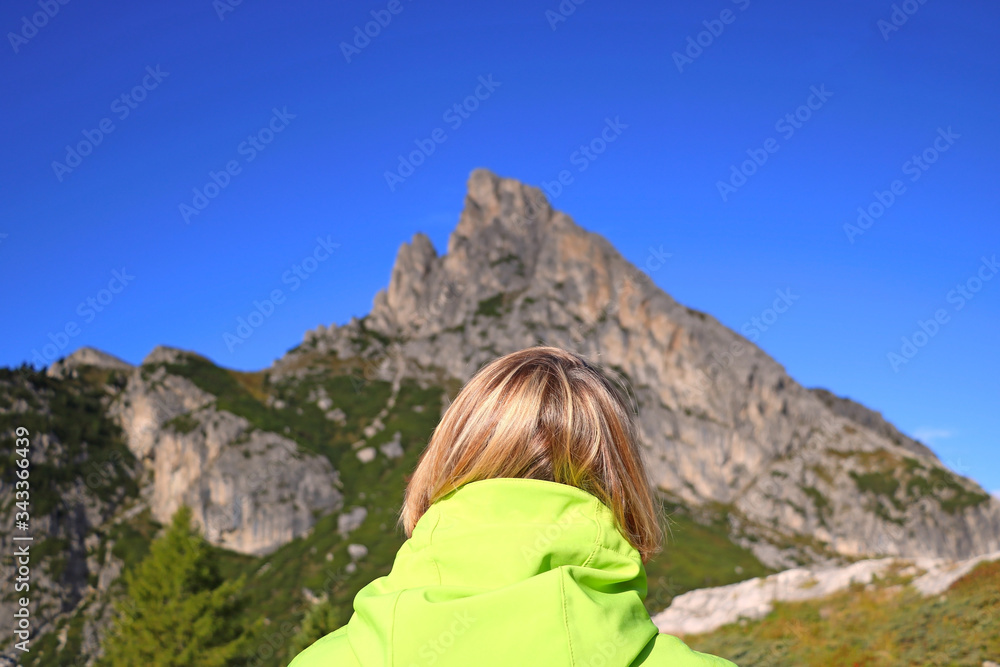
x=178, y=610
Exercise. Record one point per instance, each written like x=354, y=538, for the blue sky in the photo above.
x=840, y=107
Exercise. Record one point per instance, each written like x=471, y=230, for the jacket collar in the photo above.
x=522, y=527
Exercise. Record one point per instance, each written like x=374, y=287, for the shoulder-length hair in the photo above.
x=542, y=413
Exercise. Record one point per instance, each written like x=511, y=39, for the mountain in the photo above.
x=803, y=473
x=295, y=472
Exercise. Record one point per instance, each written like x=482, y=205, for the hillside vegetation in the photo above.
x=887, y=624
x=305, y=588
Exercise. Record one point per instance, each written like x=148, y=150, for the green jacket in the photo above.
x=511, y=573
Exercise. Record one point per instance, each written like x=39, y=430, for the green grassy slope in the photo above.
x=887, y=625
x=283, y=587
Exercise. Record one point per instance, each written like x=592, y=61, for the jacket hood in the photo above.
x=507, y=572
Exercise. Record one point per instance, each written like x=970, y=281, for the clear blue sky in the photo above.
x=887, y=95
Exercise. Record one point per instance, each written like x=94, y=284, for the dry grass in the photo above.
x=889, y=625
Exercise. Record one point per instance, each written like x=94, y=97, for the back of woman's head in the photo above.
x=542, y=413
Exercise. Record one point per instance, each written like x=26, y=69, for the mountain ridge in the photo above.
x=723, y=422
x=304, y=462
x=725, y=418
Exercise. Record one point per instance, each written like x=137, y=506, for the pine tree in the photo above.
x=177, y=610
x=319, y=621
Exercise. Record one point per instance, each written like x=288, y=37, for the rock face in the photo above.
x=64, y=510
x=250, y=490
x=807, y=476
x=87, y=356
x=871, y=420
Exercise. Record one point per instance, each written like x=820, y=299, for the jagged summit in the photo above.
x=501, y=201
x=806, y=475
x=508, y=240
x=503, y=228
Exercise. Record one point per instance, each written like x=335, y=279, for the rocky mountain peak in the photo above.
x=722, y=421
x=502, y=209
x=509, y=245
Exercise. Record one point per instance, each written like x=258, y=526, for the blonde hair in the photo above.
x=542, y=413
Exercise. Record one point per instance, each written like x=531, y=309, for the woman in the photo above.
x=529, y=519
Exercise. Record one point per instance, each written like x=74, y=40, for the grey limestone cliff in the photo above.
x=807, y=475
